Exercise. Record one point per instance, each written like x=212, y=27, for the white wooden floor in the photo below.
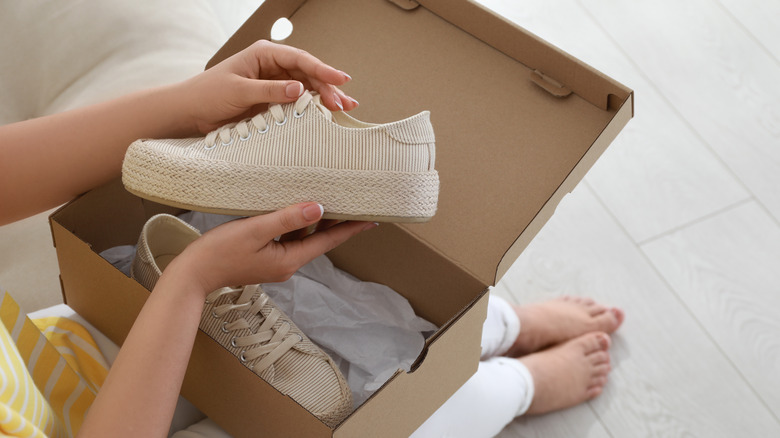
x=678, y=223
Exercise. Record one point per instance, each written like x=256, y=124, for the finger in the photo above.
x=329, y=95
x=290, y=58
x=348, y=102
x=276, y=91
x=292, y=218
x=303, y=251
x=298, y=234
x=325, y=224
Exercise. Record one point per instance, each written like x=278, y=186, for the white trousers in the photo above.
x=501, y=389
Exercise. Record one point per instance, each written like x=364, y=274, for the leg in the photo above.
x=483, y=405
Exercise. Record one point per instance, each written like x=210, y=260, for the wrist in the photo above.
x=182, y=279
x=177, y=104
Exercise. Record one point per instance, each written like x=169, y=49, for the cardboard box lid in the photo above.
x=520, y=123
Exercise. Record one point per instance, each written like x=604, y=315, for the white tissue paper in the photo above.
x=368, y=329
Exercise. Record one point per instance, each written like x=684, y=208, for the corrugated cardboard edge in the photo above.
x=610, y=132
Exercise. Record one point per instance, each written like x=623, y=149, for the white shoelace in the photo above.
x=266, y=342
x=259, y=122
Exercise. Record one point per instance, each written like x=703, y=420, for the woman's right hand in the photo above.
x=245, y=251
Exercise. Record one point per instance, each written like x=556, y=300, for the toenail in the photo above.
x=604, y=341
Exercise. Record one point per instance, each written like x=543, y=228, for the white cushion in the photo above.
x=58, y=55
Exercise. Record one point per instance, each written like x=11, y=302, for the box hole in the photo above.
x=281, y=29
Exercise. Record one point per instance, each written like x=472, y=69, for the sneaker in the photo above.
x=292, y=153
x=246, y=322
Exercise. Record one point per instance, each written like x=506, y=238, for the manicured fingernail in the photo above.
x=349, y=78
x=294, y=89
x=370, y=225
x=337, y=99
x=313, y=212
x=354, y=101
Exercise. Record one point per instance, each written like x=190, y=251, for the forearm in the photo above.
x=139, y=396
x=45, y=162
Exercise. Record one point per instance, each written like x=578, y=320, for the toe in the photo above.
x=601, y=370
x=619, y=314
x=598, y=357
x=593, y=342
x=607, y=321
x=596, y=309
x=593, y=392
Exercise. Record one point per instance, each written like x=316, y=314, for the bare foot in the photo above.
x=555, y=321
x=570, y=373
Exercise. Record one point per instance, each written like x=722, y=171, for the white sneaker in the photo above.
x=292, y=153
x=247, y=323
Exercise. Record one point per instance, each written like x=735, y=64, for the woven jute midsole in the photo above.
x=215, y=186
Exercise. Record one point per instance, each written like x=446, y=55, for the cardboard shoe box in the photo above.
x=518, y=123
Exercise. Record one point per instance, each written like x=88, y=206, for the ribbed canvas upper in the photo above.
x=319, y=138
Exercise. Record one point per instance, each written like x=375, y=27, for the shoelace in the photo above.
x=259, y=122
x=265, y=342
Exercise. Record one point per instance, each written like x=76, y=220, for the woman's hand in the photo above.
x=244, y=251
x=265, y=72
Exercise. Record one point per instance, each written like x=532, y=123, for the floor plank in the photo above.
x=715, y=74
x=730, y=283
x=664, y=362
x=658, y=174
x=760, y=18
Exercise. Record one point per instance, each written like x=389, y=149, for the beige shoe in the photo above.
x=293, y=153
x=246, y=322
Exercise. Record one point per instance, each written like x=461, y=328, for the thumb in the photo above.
x=267, y=91
x=289, y=219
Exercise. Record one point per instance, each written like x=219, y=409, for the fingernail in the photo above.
x=313, y=212
x=349, y=78
x=370, y=225
x=294, y=89
x=354, y=101
x=337, y=99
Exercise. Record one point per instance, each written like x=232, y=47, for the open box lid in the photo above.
x=517, y=129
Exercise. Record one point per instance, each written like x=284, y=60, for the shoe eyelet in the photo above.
x=210, y=147
x=267, y=127
x=224, y=330
x=248, y=136
x=233, y=343
x=241, y=357
x=214, y=314
x=281, y=123
x=298, y=116
x=228, y=143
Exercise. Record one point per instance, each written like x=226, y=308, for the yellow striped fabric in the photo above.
x=42, y=390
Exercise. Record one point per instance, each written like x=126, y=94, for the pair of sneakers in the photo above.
x=247, y=323
x=291, y=153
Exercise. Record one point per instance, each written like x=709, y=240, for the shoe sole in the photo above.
x=247, y=190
